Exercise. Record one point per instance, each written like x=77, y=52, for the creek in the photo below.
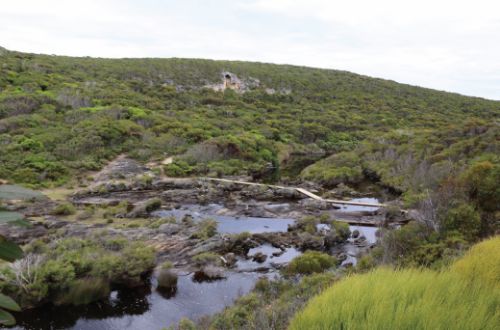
x=148, y=308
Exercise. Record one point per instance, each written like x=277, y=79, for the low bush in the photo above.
x=64, y=209
x=206, y=258
x=167, y=279
x=84, y=291
x=271, y=305
x=178, y=168
x=341, y=230
x=416, y=245
x=206, y=229
x=153, y=204
x=310, y=262
x=58, y=271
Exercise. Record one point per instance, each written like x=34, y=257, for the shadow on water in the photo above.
x=143, y=308
x=120, y=303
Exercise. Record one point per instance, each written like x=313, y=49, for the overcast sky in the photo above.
x=451, y=45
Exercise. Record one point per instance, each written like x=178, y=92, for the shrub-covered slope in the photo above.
x=59, y=115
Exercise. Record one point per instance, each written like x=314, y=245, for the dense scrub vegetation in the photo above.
x=74, y=270
x=60, y=115
x=466, y=296
x=271, y=305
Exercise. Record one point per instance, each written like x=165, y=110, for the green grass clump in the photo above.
x=206, y=258
x=206, y=229
x=412, y=298
x=85, y=291
x=310, y=262
x=481, y=263
x=64, y=209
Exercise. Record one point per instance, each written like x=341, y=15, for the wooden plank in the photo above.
x=300, y=190
x=335, y=201
x=310, y=194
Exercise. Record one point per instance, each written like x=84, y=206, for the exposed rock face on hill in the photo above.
x=3, y=51
x=233, y=82
x=120, y=168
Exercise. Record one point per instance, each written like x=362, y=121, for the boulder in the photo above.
x=313, y=204
x=259, y=257
x=230, y=259
x=209, y=273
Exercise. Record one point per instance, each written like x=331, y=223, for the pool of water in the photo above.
x=368, y=232
x=143, y=308
x=228, y=224
x=147, y=308
x=284, y=257
x=357, y=208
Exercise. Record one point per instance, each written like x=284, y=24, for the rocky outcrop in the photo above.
x=231, y=81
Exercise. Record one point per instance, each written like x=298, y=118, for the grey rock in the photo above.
x=313, y=204
x=213, y=272
x=230, y=259
x=259, y=257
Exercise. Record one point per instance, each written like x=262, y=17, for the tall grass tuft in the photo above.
x=481, y=263
x=412, y=298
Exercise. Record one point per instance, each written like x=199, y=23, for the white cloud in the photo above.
x=447, y=45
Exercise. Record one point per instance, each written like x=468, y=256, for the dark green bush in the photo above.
x=310, y=262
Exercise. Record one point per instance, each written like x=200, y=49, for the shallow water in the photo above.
x=146, y=308
x=228, y=224
x=143, y=309
x=368, y=232
x=267, y=249
x=356, y=208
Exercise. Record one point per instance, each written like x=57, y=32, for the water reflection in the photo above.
x=358, y=208
x=232, y=225
x=143, y=308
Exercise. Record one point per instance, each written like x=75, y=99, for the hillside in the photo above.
x=117, y=148
x=60, y=114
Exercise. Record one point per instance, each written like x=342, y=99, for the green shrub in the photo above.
x=308, y=224
x=84, y=291
x=65, y=265
x=64, y=209
x=206, y=229
x=344, y=167
x=272, y=304
x=341, y=229
x=167, y=279
x=310, y=262
x=464, y=219
x=178, y=168
x=153, y=204
x=166, y=265
x=206, y=258
x=186, y=324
